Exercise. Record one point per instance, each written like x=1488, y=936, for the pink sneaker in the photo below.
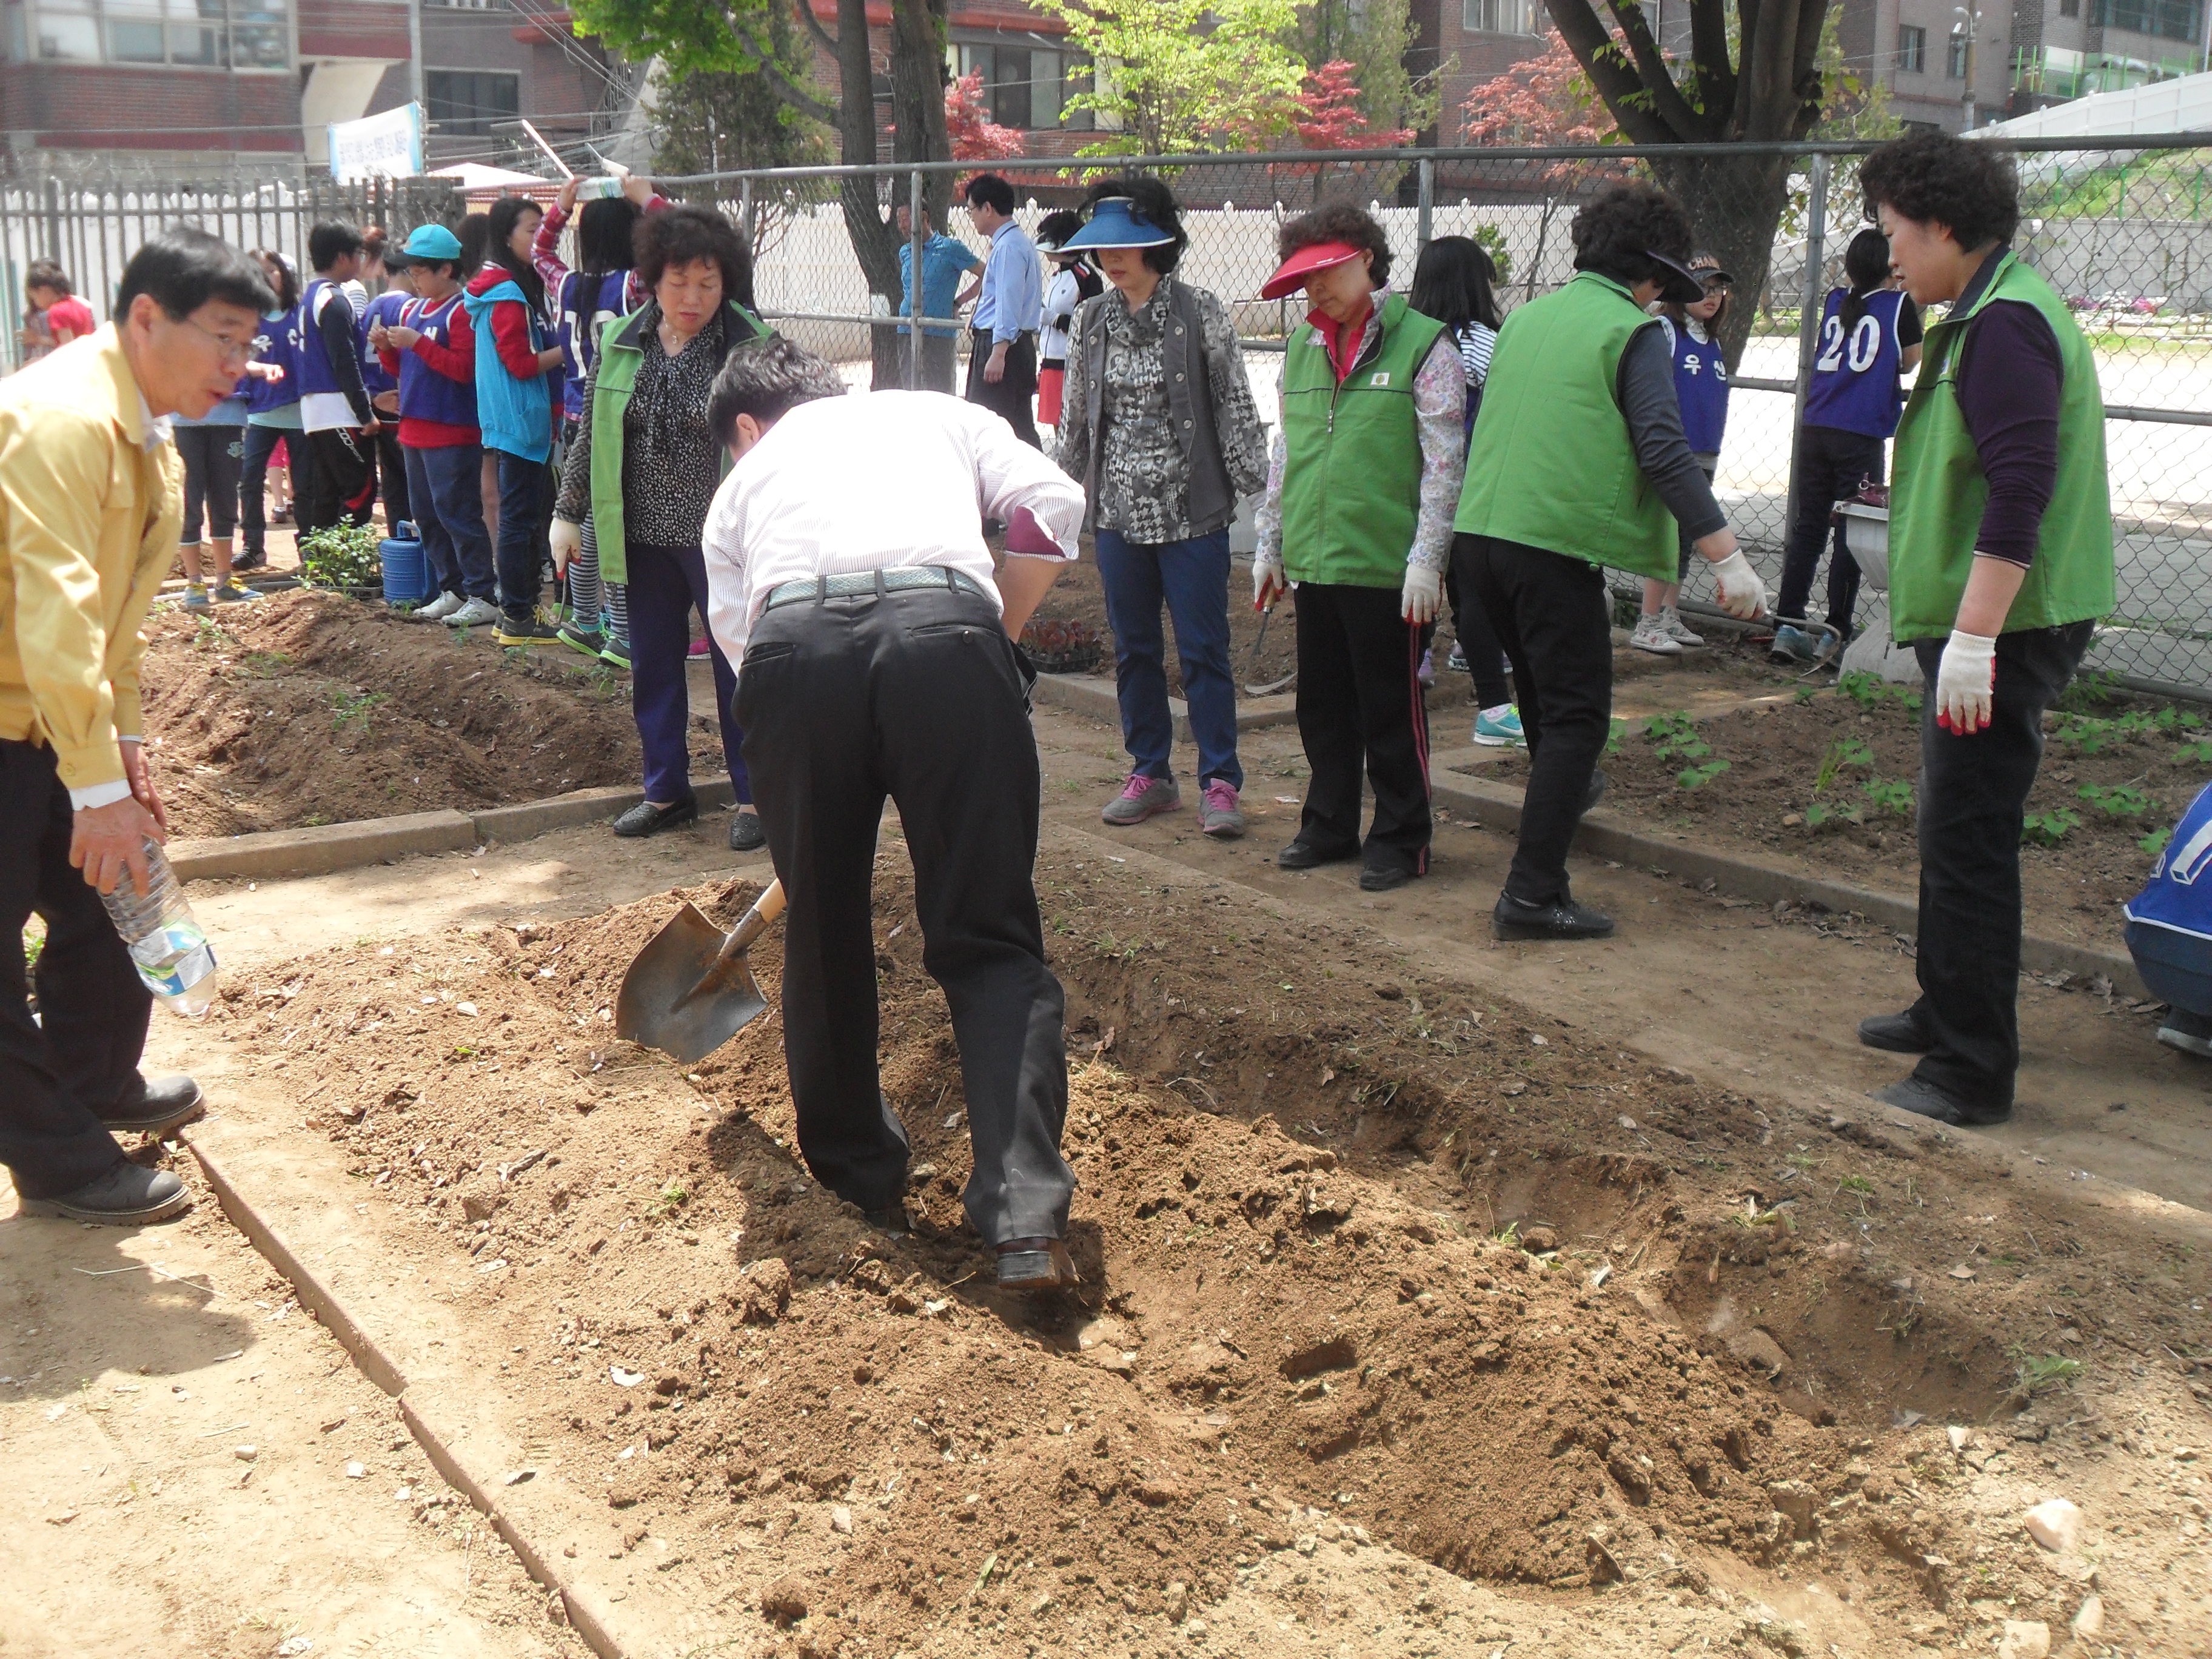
x=1142, y=798
x=699, y=648
x=1219, y=815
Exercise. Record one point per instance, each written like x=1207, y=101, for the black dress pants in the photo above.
x=1830, y=465
x=1551, y=617
x=1013, y=395
x=80, y=1057
x=1360, y=707
x=344, y=480
x=1973, y=795
x=918, y=696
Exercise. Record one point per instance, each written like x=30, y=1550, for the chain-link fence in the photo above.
x=90, y=227
x=2119, y=227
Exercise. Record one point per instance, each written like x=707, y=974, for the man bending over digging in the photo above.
x=876, y=658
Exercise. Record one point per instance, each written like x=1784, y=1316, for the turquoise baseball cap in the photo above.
x=433, y=242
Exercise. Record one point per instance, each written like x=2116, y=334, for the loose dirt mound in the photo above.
x=2139, y=772
x=310, y=708
x=1365, y=1257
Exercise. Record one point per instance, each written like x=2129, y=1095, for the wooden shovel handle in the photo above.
x=765, y=909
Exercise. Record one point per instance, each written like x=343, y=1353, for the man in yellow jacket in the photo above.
x=89, y=512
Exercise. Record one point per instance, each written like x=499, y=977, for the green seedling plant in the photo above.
x=2116, y=800
x=343, y=556
x=668, y=1200
x=355, y=708
x=1618, y=730
x=2049, y=829
x=2198, y=753
x=1675, y=737
x=2154, y=842
x=1843, y=752
x=1871, y=691
x=2039, y=1373
x=1891, y=795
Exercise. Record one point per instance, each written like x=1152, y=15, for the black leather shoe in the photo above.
x=1563, y=919
x=646, y=819
x=746, y=834
x=891, y=1219
x=1305, y=855
x=165, y=1103
x=1383, y=879
x=1598, y=785
x=1036, y=1264
x=1894, y=1033
x=1914, y=1094
x=126, y=1196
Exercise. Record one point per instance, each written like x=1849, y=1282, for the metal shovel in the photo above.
x=1259, y=644
x=692, y=989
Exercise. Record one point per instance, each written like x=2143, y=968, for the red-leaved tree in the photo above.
x=1328, y=117
x=975, y=136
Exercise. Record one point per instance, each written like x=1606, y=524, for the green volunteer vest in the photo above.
x=1937, y=488
x=1351, y=455
x=1550, y=464
x=619, y=357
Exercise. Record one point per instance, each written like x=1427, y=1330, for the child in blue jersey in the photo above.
x=384, y=396
x=1869, y=334
x=1701, y=386
x=273, y=414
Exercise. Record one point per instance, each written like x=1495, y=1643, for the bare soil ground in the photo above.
x=310, y=708
x=1375, y=1260
x=2112, y=777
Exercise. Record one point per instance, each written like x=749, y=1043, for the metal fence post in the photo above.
x=1809, y=332
x=914, y=308
x=1423, y=225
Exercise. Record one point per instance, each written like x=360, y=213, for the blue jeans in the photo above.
x=524, y=498
x=665, y=585
x=444, y=484
x=1192, y=577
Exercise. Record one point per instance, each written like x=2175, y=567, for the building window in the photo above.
x=2170, y=20
x=1912, y=50
x=1954, y=58
x=246, y=35
x=1025, y=86
x=1498, y=17
x=465, y=103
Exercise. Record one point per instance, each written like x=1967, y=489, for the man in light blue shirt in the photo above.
x=1002, y=361
x=944, y=258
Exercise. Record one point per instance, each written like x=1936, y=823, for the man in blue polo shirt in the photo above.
x=1002, y=363
x=944, y=259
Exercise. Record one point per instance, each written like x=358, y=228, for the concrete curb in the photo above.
x=319, y=1300
x=270, y=854
x=1608, y=835
x=1094, y=695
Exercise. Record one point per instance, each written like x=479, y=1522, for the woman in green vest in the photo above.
x=1357, y=513
x=645, y=464
x=1579, y=463
x=2000, y=562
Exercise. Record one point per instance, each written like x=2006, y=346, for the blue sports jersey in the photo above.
x=316, y=375
x=277, y=343
x=384, y=308
x=586, y=302
x=1854, y=387
x=1701, y=387
x=425, y=394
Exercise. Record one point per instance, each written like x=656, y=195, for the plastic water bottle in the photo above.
x=173, y=955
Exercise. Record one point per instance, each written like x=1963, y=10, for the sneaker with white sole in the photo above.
x=1142, y=798
x=1671, y=620
x=438, y=608
x=1457, y=661
x=1219, y=815
x=1500, y=728
x=1651, y=635
x=475, y=613
x=1428, y=667
x=1792, y=645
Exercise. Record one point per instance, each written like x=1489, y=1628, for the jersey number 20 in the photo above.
x=1865, y=345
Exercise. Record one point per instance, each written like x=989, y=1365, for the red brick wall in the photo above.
x=110, y=108
x=352, y=28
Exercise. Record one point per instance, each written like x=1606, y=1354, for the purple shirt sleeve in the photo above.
x=2007, y=383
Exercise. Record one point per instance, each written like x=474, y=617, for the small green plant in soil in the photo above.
x=354, y=708
x=1614, y=732
x=2049, y=829
x=2198, y=753
x=2087, y=691
x=2039, y=1373
x=2116, y=800
x=1891, y=795
x=34, y=946
x=2154, y=842
x=1871, y=691
x=668, y=1200
x=342, y=556
x=1675, y=737
x=266, y=665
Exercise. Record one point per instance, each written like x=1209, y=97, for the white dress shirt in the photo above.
x=874, y=481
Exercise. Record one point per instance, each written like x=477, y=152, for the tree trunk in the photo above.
x=918, y=134
x=1735, y=202
x=875, y=242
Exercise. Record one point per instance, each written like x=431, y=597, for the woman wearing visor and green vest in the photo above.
x=2000, y=562
x=644, y=464
x=1357, y=513
x=1578, y=463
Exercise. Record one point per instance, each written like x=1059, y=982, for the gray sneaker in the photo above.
x=1142, y=798
x=1219, y=815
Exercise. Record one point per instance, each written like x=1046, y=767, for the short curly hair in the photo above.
x=1338, y=222
x=1969, y=186
x=1618, y=229
x=680, y=235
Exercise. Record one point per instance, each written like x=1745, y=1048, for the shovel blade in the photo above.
x=672, y=999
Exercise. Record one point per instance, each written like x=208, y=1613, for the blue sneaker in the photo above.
x=1792, y=645
x=1499, y=728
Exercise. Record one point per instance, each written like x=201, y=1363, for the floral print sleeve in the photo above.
x=1236, y=419
x=1072, y=451
x=1440, y=408
x=1267, y=517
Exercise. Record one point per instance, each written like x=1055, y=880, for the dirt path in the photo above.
x=135, y=1367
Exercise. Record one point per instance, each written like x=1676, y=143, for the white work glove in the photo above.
x=1268, y=583
x=567, y=540
x=1743, y=596
x=1423, y=595
x=1965, y=683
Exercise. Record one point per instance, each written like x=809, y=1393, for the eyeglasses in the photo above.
x=240, y=352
